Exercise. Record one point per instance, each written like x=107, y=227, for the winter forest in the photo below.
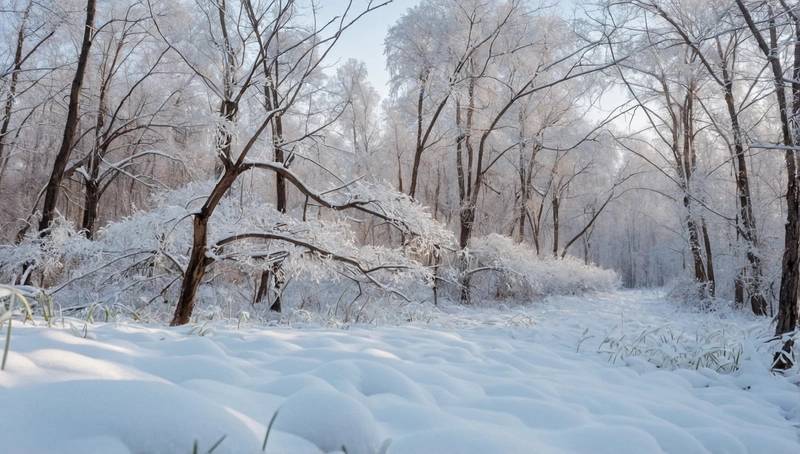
x=399, y=226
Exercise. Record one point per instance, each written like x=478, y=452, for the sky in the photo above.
x=364, y=41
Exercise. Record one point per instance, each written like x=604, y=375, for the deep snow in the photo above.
x=549, y=377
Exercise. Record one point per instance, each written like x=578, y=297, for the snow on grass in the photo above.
x=543, y=378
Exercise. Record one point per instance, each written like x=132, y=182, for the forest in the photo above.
x=230, y=226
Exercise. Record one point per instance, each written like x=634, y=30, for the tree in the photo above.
x=674, y=124
x=790, y=267
x=428, y=51
x=53, y=187
x=722, y=73
x=11, y=79
x=301, y=57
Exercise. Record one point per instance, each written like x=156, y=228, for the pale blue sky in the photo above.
x=364, y=41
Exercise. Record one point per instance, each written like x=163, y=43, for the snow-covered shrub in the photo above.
x=135, y=264
x=693, y=294
x=723, y=346
x=666, y=348
x=502, y=268
x=64, y=247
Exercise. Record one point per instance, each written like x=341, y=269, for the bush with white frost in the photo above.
x=502, y=268
x=136, y=264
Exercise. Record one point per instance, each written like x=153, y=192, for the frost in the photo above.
x=515, y=271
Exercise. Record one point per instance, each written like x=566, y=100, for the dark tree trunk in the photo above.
x=424, y=136
x=53, y=187
x=787, y=309
x=274, y=276
x=790, y=268
x=758, y=302
x=196, y=269
x=91, y=201
x=419, y=147
x=556, y=227
x=712, y=280
x=277, y=145
x=263, y=286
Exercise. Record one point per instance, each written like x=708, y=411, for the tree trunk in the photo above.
x=196, y=269
x=272, y=276
x=523, y=187
x=467, y=220
x=694, y=246
x=712, y=280
x=263, y=286
x=467, y=208
x=787, y=309
x=738, y=289
x=53, y=187
x=790, y=270
x=556, y=227
x=758, y=302
x=91, y=201
x=277, y=285
x=280, y=181
x=419, y=147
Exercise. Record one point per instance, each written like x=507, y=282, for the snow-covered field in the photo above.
x=563, y=375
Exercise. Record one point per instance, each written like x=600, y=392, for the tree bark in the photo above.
x=466, y=215
x=790, y=266
x=53, y=188
x=91, y=201
x=555, y=202
x=758, y=302
x=196, y=268
x=419, y=147
x=711, y=278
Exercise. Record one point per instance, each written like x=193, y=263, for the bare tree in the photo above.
x=11, y=80
x=416, y=44
x=790, y=273
x=53, y=187
x=722, y=73
x=305, y=54
x=573, y=64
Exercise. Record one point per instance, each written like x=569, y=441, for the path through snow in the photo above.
x=519, y=380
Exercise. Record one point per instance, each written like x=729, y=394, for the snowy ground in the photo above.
x=552, y=377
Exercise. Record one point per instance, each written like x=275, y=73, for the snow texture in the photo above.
x=539, y=378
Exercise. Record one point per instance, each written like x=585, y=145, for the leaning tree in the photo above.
x=274, y=53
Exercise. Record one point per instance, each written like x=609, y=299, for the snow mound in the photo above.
x=330, y=420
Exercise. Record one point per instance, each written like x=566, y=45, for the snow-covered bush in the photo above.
x=669, y=349
x=726, y=347
x=502, y=268
x=135, y=264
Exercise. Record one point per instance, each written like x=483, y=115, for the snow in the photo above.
x=533, y=378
